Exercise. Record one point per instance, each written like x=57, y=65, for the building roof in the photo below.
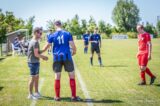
x=18, y=31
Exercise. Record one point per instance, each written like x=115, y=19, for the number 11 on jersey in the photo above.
x=60, y=39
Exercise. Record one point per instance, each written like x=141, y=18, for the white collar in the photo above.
x=58, y=29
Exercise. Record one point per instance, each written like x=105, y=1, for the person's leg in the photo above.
x=72, y=83
x=57, y=84
x=36, y=68
x=57, y=67
x=142, y=74
x=36, y=83
x=69, y=67
x=99, y=59
x=91, y=58
x=87, y=48
x=99, y=56
x=31, y=83
x=92, y=54
x=145, y=62
x=142, y=70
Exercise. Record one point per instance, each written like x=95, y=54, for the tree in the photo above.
x=75, y=26
x=50, y=25
x=29, y=24
x=158, y=27
x=101, y=26
x=126, y=15
x=108, y=30
x=83, y=26
x=150, y=29
x=67, y=25
x=3, y=26
x=91, y=24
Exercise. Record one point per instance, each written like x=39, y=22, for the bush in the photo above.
x=132, y=34
x=104, y=36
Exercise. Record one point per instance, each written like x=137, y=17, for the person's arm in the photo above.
x=100, y=41
x=48, y=44
x=46, y=47
x=149, y=50
x=36, y=53
x=91, y=40
x=149, y=46
x=73, y=46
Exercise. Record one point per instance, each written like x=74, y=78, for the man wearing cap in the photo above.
x=62, y=40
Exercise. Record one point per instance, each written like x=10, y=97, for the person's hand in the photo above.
x=45, y=58
x=137, y=55
x=74, y=52
x=149, y=57
x=95, y=41
x=42, y=51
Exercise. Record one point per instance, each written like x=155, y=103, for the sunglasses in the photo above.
x=39, y=33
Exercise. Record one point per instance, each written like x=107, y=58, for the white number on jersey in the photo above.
x=60, y=39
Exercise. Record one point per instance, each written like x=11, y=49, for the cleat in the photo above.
x=32, y=97
x=101, y=65
x=76, y=99
x=152, y=80
x=38, y=95
x=57, y=98
x=142, y=83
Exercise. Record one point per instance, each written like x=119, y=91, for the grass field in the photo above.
x=113, y=84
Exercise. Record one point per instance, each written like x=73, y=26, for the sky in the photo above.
x=45, y=10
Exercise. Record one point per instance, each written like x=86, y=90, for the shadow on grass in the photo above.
x=116, y=66
x=158, y=85
x=1, y=59
x=67, y=99
x=1, y=88
x=103, y=101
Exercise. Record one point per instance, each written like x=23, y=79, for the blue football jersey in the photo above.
x=61, y=48
x=95, y=37
x=48, y=34
x=86, y=37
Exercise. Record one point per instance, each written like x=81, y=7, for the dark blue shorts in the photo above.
x=86, y=43
x=34, y=68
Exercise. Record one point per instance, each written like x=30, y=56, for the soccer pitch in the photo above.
x=114, y=84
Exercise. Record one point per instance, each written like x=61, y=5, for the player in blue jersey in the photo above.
x=62, y=40
x=95, y=40
x=86, y=41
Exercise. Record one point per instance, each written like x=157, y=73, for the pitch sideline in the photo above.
x=83, y=86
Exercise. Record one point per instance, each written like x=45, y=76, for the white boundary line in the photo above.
x=83, y=86
x=33, y=103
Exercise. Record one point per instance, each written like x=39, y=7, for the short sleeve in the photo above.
x=148, y=38
x=70, y=37
x=36, y=45
x=50, y=39
x=83, y=36
x=99, y=37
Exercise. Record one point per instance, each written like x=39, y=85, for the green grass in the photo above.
x=113, y=84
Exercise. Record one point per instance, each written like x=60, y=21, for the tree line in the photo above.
x=125, y=15
x=9, y=22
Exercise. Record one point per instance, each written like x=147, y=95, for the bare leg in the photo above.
x=36, y=83
x=31, y=83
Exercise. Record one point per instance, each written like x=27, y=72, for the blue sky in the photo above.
x=45, y=10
